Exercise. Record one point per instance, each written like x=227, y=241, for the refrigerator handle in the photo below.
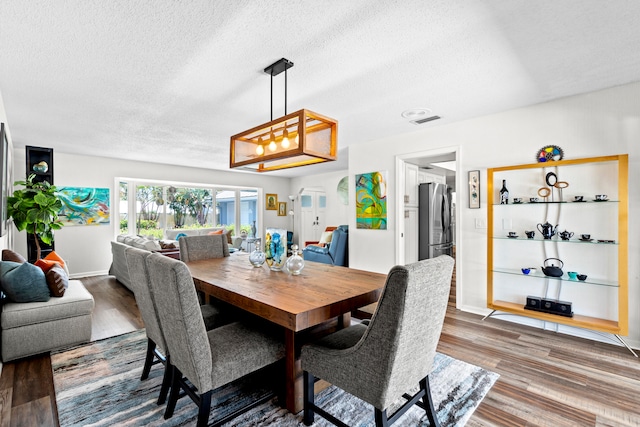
x=443, y=205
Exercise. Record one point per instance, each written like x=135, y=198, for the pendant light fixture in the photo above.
x=297, y=139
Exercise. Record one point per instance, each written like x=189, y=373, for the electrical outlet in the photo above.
x=481, y=223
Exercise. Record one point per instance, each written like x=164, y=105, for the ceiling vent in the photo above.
x=425, y=120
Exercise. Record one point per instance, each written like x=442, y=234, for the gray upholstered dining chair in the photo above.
x=380, y=362
x=156, y=346
x=194, y=248
x=208, y=360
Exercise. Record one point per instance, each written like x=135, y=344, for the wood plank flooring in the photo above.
x=546, y=379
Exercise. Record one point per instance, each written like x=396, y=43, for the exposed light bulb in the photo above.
x=272, y=144
x=285, y=139
x=260, y=148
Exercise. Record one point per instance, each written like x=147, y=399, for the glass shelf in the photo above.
x=608, y=242
x=564, y=278
x=564, y=202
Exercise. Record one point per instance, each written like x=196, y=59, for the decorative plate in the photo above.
x=549, y=153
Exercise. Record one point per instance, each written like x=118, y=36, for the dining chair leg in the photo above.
x=167, y=379
x=308, y=398
x=176, y=375
x=148, y=360
x=204, y=409
x=428, y=402
x=381, y=418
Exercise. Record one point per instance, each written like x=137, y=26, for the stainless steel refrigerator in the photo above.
x=435, y=236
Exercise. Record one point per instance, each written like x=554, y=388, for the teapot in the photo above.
x=552, y=270
x=566, y=235
x=547, y=230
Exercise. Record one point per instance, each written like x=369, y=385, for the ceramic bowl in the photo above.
x=525, y=270
x=582, y=277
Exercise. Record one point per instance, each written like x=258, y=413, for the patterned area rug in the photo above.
x=98, y=384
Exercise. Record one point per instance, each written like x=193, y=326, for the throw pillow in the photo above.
x=23, y=282
x=9, y=255
x=325, y=237
x=216, y=232
x=57, y=281
x=46, y=265
x=53, y=256
x=167, y=245
x=179, y=235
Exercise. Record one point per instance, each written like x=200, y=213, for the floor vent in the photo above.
x=428, y=119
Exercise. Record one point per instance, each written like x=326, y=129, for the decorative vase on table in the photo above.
x=295, y=263
x=253, y=229
x=257, y=257
x=275, y=248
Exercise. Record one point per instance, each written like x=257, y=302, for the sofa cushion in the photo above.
x=9, y=255
x=23, y=282
x=147, y=244
x=57, y=281
x=76, y=301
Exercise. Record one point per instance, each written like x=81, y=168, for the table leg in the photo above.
x=293, y=374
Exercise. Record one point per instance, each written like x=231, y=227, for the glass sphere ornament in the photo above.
x=257, y=257
x=295, y=263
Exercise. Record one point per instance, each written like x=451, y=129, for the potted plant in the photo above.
x=35, y=209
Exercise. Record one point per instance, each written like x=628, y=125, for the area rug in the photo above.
x=98, y=384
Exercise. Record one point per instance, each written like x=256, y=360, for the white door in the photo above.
x=313, y=206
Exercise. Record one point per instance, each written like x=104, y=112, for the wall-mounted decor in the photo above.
x=282, y=208
x=5, y=177
x=474, y=189
x=84, y=206
x=271, y=202
x=371, y=200
x=549, y=153
x=343, y=190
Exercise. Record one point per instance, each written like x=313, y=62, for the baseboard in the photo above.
x=88, y=274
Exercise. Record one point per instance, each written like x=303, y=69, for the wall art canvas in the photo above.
x=84, y=206
x=371, y=200
x=474, y=189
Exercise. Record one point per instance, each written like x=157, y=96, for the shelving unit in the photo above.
x=601, y=301
x=35, y=155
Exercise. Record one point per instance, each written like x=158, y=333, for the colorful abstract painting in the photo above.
x=371, y=200
x=84, y=205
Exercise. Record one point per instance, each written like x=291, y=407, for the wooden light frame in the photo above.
x=313, y=139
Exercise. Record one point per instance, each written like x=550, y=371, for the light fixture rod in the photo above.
x=275, y=69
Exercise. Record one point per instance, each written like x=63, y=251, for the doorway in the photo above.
x=440, y=165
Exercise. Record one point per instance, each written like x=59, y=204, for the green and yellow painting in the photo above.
x=84, y=205
x=371, y=200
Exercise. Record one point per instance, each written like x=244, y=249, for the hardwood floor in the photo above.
x=546, y=379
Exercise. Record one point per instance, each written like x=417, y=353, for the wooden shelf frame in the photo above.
x=619, y=327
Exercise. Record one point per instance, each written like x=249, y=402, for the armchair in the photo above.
x=337, y=253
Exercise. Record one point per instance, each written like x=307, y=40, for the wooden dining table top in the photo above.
x=320, y=292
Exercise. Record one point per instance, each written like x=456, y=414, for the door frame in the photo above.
x=400, y=161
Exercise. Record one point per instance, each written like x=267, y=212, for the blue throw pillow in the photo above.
x=23, y=282
x=180, y=235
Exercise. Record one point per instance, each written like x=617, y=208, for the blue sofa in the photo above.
x=337, y=253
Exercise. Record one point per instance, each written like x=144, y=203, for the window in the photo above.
x=160, y=205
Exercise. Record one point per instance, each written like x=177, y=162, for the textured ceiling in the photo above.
x=170, y=81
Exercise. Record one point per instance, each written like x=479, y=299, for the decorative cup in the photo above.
x=578, y=198
x=533, y=199
x=526, y=270
x=512, y=234
x=530, y=234
x=517, y=200
x=601, y=197
x=585, y=236
x=572, y=274
x=582, y=277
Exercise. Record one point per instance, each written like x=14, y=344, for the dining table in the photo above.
x=314, y=303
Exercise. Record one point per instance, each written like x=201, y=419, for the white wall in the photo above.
x=337, y=213
x=87, y=248
x=599, y=123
